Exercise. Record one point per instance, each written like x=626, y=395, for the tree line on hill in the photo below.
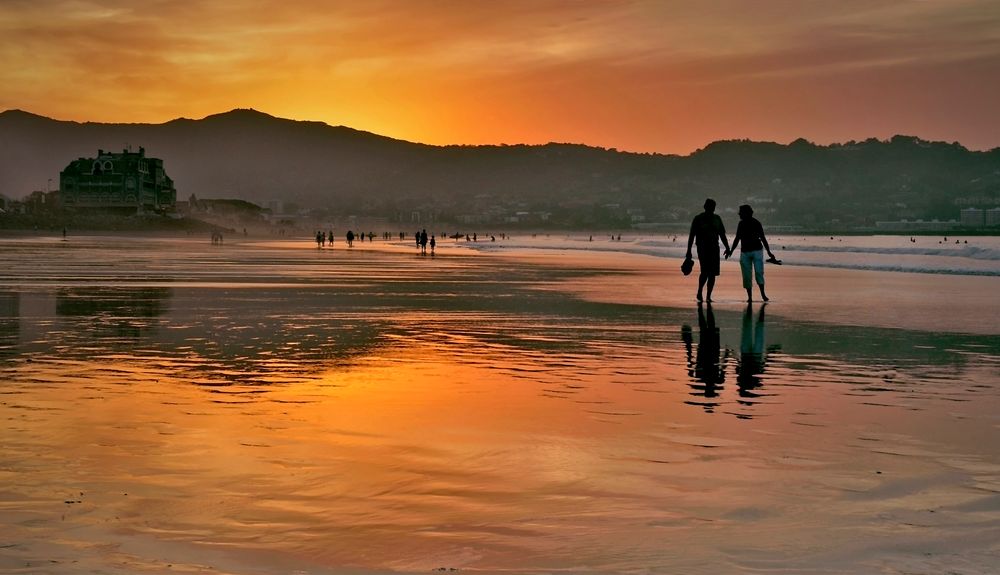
x=338, y=171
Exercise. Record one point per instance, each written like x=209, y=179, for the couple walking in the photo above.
x=707, y=230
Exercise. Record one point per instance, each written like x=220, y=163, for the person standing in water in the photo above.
x=706, y=231
x=751, y=233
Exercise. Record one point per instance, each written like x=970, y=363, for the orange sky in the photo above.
x=663, y=76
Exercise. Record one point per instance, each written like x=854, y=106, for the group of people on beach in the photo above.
x=706, y=231
x=421, y=240
x=322, y=239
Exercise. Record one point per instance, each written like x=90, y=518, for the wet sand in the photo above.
x=915, y=301
x=266, y=407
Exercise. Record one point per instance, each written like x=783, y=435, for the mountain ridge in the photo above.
x=251, y=155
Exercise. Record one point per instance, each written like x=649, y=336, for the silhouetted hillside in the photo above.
x=253, y=156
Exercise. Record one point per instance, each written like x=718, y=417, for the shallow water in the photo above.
x=954, y=255
x=166, y=405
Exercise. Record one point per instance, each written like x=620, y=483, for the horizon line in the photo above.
x=504, y=144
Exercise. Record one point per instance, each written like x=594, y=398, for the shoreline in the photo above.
x=887, y=299
x=178, y=226
x=845, y=296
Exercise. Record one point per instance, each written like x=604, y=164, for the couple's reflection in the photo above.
x=708, y=360
x=752, y=355
x=706, y=363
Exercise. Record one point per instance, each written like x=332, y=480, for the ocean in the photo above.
x=958, y=255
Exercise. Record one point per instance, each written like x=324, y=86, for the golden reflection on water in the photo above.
x=411, y=460
x=429, y=420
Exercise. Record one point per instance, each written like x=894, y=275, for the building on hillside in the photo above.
x=992, y=217
x=40, y=202
x=126, y=181
x=972, y=217
x=276, y=206
x=917, y=226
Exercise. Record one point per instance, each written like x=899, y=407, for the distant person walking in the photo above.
x=751, y=233
x=350, y=238
x=706, y=231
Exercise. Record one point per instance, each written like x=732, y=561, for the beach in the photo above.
x=543, y=404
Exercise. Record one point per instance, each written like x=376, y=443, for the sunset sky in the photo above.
x=654, y=76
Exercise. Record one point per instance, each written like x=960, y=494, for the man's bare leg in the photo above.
x=711, y=286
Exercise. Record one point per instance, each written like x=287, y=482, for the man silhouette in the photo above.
x=706, y=231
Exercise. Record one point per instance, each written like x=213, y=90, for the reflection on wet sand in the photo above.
x=10, y=311
x=119, y=313
x=753, y=355
x=706, y=365
x=115, y=302
x=451, y=413
x=708, y=360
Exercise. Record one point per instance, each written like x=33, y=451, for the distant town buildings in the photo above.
x=981, y=200
x=975, y=217
x=276, y=206
x=126, y=181
x=971, y=217
x=917, y=225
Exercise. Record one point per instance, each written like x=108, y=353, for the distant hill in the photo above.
x=249, y=155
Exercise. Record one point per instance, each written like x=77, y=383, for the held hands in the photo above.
x=728, y=253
